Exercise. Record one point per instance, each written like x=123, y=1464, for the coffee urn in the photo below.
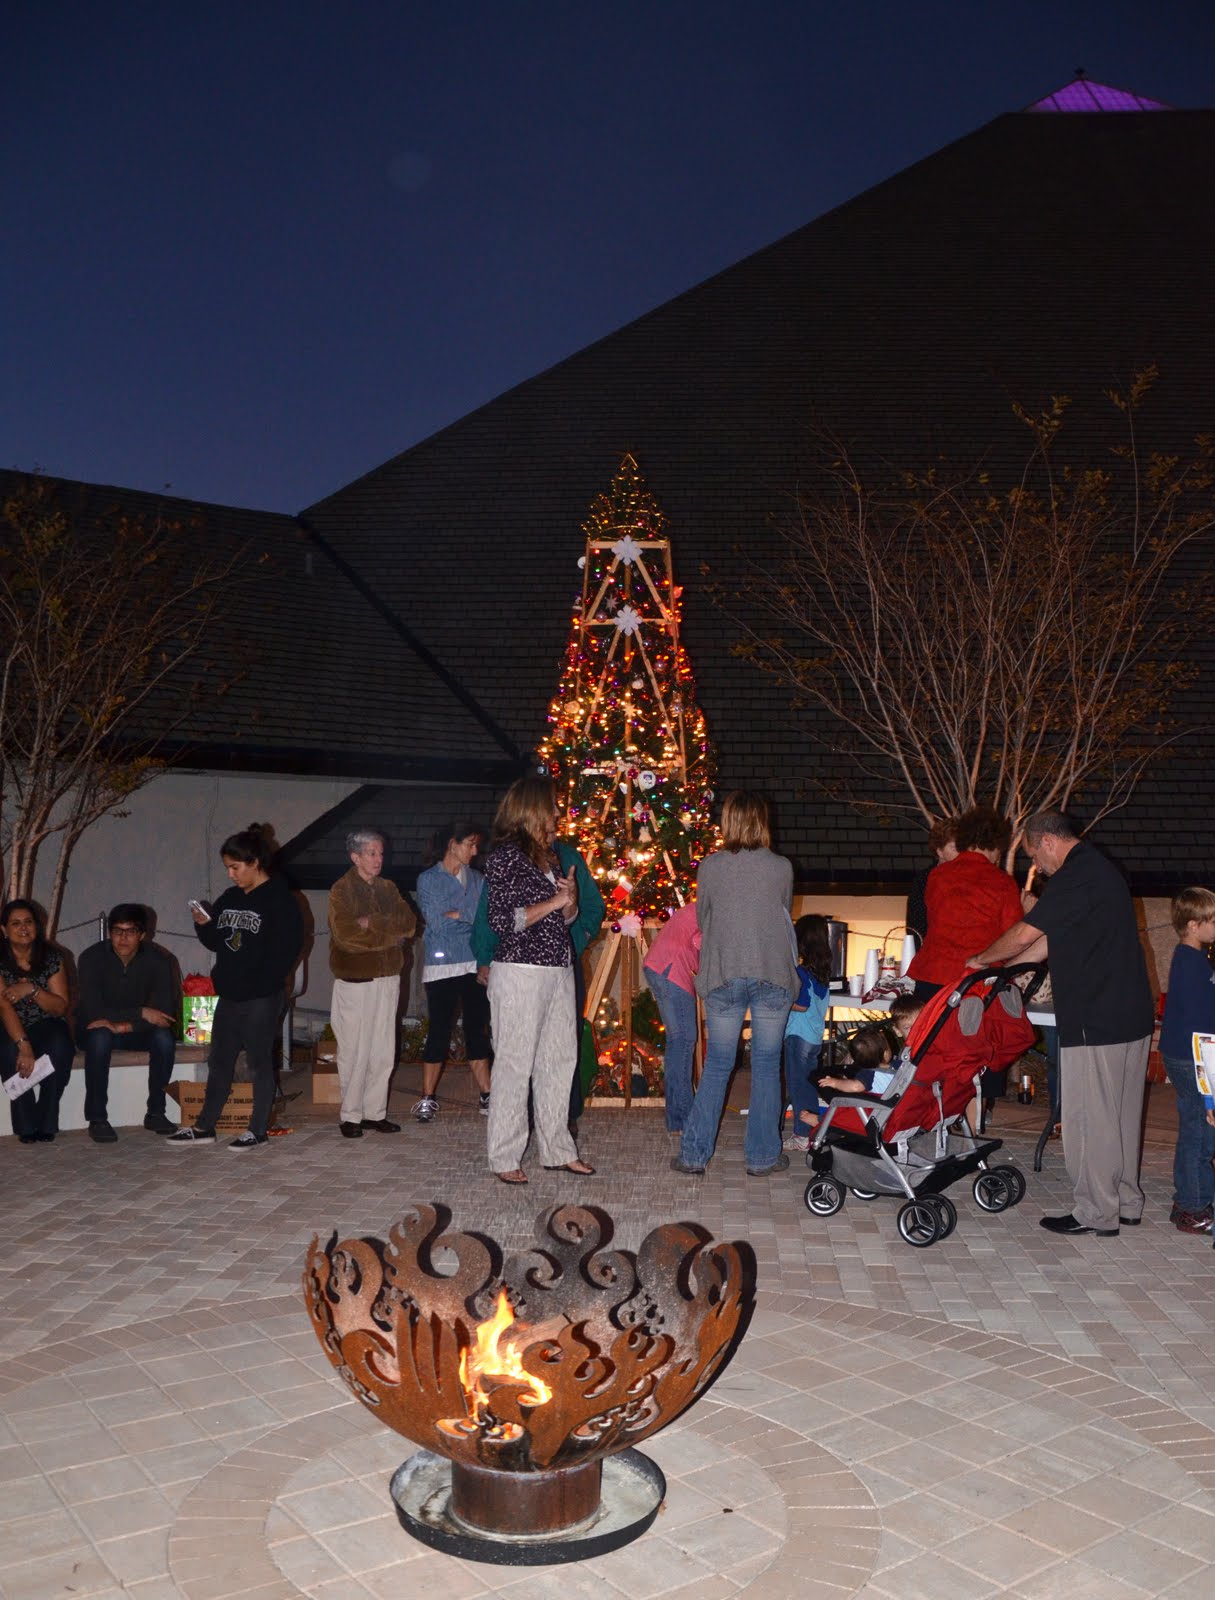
x=837, y=938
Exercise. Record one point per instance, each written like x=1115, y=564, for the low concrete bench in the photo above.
x=128, y=1094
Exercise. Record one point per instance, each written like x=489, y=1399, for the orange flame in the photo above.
x=495, y=1355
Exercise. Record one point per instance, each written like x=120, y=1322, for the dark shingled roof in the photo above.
x=1040, y=255
x=321, y=682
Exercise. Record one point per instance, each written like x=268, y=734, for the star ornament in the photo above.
x=628, y=620
x=627, y=550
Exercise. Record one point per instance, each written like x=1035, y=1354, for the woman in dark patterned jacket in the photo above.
x=531, y=984
x=33, y=1004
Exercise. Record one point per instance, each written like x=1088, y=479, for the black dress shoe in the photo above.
x=1068, y=1224
x=1130, y=1222
x=101, y=1132
x=157, y=1122
x=382, y=1126
x=351, y=1130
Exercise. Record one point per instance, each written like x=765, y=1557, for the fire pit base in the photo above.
x=632, y=1491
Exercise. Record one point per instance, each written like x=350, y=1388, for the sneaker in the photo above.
x=188, y=1136
x=102, y=1133
x=797, y=1141
x=157, y=1122
x=1192, y=1222
x=483, y=1103
x=248, y=1140
x=426, y=1109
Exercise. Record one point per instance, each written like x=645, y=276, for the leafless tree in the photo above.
x=95, y=621
x=1020, y=646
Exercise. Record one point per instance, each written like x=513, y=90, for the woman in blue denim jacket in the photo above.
x=448, y=894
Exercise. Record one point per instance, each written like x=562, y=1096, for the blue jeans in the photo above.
x=36, y=1112
x=98, y=1047
x=1193, y=1177
x=725, y=1009
x=801, y=1059
x=677, y=1008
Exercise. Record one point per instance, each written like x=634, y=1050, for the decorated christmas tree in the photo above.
x=627, y=745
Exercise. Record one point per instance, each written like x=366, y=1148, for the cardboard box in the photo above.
x=233, y=1119
x=326, y=1089
x=197, y=1017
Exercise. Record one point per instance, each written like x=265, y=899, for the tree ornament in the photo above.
x=646, y=780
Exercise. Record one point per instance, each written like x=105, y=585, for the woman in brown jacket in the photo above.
x=368, y=924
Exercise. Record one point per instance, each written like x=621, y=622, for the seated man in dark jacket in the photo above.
x=128, y=991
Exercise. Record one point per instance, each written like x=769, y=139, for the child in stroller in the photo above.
x=871, y=1050
x=914, y=1140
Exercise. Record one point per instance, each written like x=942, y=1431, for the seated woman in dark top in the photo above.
x=33, y=1004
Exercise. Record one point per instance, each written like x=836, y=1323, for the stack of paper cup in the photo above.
x=908, y=954
x=872, y=967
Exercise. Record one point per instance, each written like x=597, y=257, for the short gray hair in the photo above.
x=359, y=838
x=1044, y=822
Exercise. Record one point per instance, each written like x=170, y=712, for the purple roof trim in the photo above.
x=1083, y=95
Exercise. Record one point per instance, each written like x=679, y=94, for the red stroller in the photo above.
x=914, y=1141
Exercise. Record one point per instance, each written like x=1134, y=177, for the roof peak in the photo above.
x=1082, y=94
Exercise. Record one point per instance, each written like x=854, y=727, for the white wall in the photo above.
x=166, y=851
x=870, y=917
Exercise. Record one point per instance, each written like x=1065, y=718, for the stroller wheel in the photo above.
x=991, y=1192
x=947, y=1212
x=1015, y=1183
x=824, y=1197
x=920, y=1223
x=864, y=1194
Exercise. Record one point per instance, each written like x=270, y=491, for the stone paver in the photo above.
x=1005, y=1413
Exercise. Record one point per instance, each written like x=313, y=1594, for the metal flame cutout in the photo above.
x=560, y=1354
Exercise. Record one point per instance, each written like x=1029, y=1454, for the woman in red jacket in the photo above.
x=969, y=898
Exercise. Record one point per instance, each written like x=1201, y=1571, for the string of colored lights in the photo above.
x=627, y=744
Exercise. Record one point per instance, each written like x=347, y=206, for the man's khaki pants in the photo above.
x=1102, y=1088
x=364, y=1018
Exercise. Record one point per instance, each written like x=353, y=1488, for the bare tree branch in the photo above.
x=1021, y=646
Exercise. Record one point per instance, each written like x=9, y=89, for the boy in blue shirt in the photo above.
x=1190, y=1009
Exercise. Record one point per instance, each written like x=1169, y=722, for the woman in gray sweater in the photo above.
x=743, y=896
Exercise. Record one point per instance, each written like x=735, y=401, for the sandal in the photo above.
x=517, y=1176
x=581, y=1168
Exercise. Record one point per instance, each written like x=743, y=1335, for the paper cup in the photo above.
x=856, y=985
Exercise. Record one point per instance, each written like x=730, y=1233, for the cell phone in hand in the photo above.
x=197, y=905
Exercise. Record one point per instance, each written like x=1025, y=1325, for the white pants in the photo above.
x=364, y=1018
x=535, y=1038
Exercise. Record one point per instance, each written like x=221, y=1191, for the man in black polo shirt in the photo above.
x=128, y=991
x=1103, y=1005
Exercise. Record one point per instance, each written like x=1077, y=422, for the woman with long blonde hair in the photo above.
x=531, y=984
x=747, y=963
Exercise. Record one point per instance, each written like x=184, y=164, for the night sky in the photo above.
x=252, y=250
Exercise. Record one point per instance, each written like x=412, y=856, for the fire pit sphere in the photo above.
x=525, y=1372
